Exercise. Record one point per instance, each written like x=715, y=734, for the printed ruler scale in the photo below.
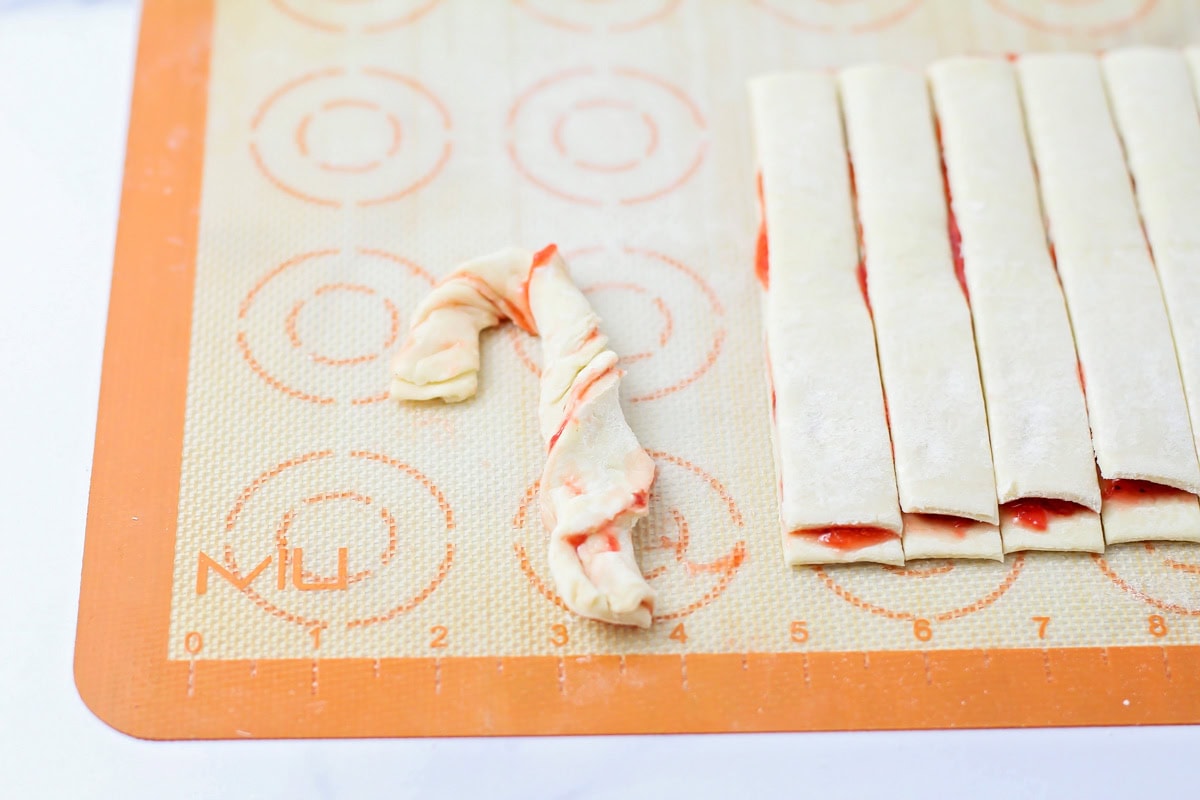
x=275, y=551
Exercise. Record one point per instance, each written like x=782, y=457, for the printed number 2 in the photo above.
x=440, y=632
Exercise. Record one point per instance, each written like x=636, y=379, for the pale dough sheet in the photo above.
x=1152, y=100
x=922, y=322
x=958, y=538
x=1174, y=518
x=1079, y=532
x=1136, y=406
x=834, y=455
x=1037, y=419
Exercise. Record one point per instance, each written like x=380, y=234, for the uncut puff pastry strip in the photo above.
x=1136, y=406
x=1150, y=92
x=837, y=486
x=922, y=322
x=1037, y=418
x=596, y=481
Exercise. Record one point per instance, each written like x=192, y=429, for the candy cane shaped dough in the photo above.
x=1135, y=397
x=922, y=321
x=1037, y=418
x=838, y=497
x=596, y=481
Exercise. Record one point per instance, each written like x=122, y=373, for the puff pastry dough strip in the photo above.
x=1135, y=398
x=922, y=321
x=1150, y=92
x=838, y=488
x=597, y=479
x=1037, y=419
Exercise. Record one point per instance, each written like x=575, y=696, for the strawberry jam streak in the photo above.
x=540, y=259
x=1035, y=512
x=848, y=538
x=579, y=396
x=610, y=541
x=1131, y=491
x=762, y=249
x=960, y=269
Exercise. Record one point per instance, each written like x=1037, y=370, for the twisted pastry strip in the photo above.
x=597, y=478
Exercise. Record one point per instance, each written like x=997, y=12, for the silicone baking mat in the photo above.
x=274, y=549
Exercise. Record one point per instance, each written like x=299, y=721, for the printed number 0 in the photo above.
x=922, y=630
x=193, y=642
x=1158, y=625
x=440, y=632
x=799, y=631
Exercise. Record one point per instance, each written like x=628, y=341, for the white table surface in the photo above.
x=65, y=72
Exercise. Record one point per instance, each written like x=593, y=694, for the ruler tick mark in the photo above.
x=562, y=676
x=254, y=669
x=745, y=662
x=1046, y=665
x=375, y=667
x=437, y=676
x=804, y=664
x=683, y=671
x=621, y=665
x=316, y=674
x=191, y=679
x=1166, y=664
x=928, y=674
x=866, y=661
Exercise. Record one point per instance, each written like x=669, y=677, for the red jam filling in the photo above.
x=1035, y=512
x=762, y=249
x=848, y=537
x=1132, y=491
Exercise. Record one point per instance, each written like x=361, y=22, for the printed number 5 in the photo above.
x=799, y=631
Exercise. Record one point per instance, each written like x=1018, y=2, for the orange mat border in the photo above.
x=121, y=665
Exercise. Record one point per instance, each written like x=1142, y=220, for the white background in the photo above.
x=65, y=74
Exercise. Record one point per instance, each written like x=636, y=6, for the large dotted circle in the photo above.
x=839, y=16
x=603, y=137
x=358, y=16
x=1163, y=575
x=1076, y=17
x=320, y=327
x=590, y=16
x=362, y=137
x=685, y=549
x=318, y=540
x=937, y=591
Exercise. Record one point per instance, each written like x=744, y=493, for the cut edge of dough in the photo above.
x=1080, y=532
x=802, y=551
x=1174, y=518
x=926, y=538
